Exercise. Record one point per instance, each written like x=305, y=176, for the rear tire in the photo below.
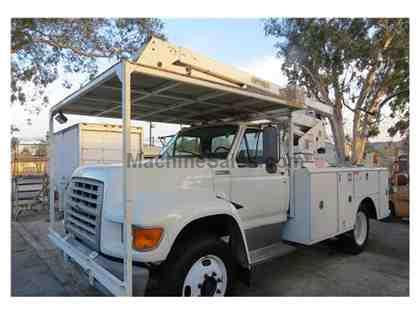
x=355, y=240
x=203, y=267
x=392, y=214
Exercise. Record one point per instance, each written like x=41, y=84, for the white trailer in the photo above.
x=224, y=195
x=90, y=143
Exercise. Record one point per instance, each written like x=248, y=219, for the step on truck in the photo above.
x=245, y=182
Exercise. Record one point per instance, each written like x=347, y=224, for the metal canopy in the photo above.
x=161, y=96
x=178, y=94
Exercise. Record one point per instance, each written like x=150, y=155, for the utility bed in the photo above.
x=325, y=201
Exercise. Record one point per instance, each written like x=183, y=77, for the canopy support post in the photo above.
x=291, y=167
x=51, y=171
x=127, y=191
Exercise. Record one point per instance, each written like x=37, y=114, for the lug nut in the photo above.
x=218, y=291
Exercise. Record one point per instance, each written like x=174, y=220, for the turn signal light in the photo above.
x=146, y=238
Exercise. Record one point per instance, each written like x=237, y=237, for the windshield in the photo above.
x=204, y=142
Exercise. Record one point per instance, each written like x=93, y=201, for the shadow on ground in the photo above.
x=321, y=270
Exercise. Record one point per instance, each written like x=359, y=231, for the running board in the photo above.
x=274, y=250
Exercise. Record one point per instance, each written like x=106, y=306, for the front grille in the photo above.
x=83, y=208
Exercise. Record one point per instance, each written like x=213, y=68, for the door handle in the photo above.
x=222, y=172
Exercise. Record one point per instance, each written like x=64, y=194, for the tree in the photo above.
x=41, y=46
x=14, y=129
x=358, y=64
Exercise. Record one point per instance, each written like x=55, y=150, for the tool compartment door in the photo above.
x=346, y=201
x=324, y=214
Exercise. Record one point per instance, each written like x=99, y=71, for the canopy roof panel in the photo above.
x=177, y=93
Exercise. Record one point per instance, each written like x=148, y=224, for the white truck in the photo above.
x=225, y=194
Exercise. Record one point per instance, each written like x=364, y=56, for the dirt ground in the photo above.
x=322, y=270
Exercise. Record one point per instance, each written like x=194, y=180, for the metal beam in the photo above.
x=110, y=110
x=116, y=114
x=146, y=106
x=114, y=108
x=291, y=166
x=118, y=89
x=127, y=192
x=51, y=162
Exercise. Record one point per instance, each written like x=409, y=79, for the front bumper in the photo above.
x=100, y=269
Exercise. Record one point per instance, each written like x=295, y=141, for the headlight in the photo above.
x=146, y=238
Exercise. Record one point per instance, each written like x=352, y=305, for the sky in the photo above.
x=237, y=42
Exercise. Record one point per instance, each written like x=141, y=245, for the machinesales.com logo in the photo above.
x=137, y=161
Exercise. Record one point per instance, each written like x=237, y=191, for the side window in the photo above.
x=221, y=143
x=251, y=147
x=187, y=146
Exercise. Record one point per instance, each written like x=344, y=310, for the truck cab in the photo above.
x=206, y=170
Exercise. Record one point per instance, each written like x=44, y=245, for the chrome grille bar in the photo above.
x=83, y=207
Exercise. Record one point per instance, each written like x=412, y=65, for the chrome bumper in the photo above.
x=108, y=273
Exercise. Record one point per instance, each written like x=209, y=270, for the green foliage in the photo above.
x=337, y=54
x=401, y=126
x=353, y=63
x=40, y=46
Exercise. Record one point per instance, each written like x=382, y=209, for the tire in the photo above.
x=355, y=240
x=204, y=267
x=392, y=215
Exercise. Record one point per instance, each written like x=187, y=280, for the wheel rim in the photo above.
x=360, y=228
x=206, y=277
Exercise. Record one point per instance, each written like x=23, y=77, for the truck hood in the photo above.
x=159, y=188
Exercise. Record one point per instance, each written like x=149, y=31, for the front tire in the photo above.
x=204, y=267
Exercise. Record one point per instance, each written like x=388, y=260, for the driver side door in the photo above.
x=264, y=196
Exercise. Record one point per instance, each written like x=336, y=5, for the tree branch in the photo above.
x=386, y=100
x=321, y=88
x=75, y=50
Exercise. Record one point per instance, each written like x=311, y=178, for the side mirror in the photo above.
x=270, y=148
